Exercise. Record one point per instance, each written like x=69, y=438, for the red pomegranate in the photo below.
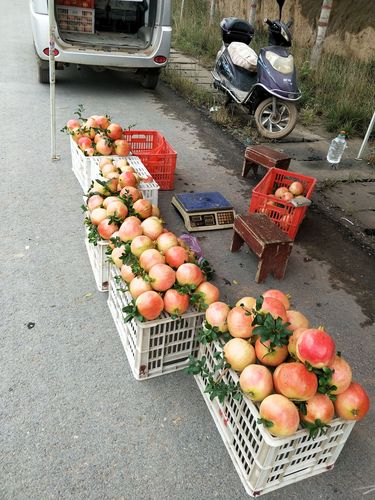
x=352, y=404
x=342, y=375
x=162, y=277
x=316, y=347
x=277, y=294
x=239, y=323
x=175, y=302
x=209, y=293
x=188, y=274
x=275, y=307
x=149, y=258
x=295, y=381
x=319, y=407
x=239, y=353
x=138, y=285
x=216, y=315
x=176, y=256
x=256, y=382
x=281, y=414
x=150, y=305
x=296, y=320
x=270, y=357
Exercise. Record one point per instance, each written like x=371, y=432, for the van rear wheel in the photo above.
x=43, y=74
x=150, y=78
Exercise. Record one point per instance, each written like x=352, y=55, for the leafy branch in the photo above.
x=92, y=234
x=197, y=299
x=206, y=268
x=315, y=429
x=216, y=387
x=324, y=376
x=132, y=312
x=207, y=333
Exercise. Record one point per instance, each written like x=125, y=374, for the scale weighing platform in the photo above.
x=204, y=211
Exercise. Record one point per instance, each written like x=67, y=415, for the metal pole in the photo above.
x=212, y=12
x=367, y=136
x=52, y=79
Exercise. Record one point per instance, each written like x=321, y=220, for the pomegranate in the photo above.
x=188, y=274
x=280, y=191
x=117, y=209
x=133, y=193
x=140, y=244
x=209, y=293
x=296, y=320
x=216, y=316
x=76, y=134
x=122, y=163
x=295, y=381
x=268, y=356
x=90, y=151
x=316, y=347
x=287, y=197
x=116, y=254
x=342, y=375
x=143, y=208
x=149, y=305
x=175, y=302
x=353, y=403
x=113, y=175
x=296, y=188
x=107, y=228
x=162, y=277
x=127, y=273
x=165, y=241
x=106, y=186
x=275, y=308
x=114, y=131
x=239, y=323
x=127, y=179
x=104, y=146
x=95, y=201
x=175, y=256
x=277, y=294
x=256, y=382
x=138, y=285
x=102, y=121
x=97, y=215
x=248, y=303
x=84, y=143
x=108, y=168
x=149, y=258
x=319, y=407
x=280, y=414
x=129, y=230
x=105, y=161
x=239, y=353
x=108, y=200
x=121, y=147
x=155, y=211
x=293, y=340
x=72, y=124
x=152, y=227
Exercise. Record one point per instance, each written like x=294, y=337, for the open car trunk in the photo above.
x=107, y=24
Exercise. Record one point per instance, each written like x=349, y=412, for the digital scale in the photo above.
x=204, y=211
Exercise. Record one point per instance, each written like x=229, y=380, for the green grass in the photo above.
x=340, y=94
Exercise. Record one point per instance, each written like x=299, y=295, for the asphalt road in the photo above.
x=74, y=421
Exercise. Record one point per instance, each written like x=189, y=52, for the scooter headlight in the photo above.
x=281, y=64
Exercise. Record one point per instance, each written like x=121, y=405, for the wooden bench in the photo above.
x=263, y=156
x=269, y=243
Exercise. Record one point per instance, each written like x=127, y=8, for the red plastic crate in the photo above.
x=156, y=154
x=282, y=213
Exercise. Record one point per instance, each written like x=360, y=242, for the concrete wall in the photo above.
x=351, y=30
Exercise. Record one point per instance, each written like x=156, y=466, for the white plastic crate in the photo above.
x=86, y=169
x=263, y=462
x=156, y=347
x=99, y=263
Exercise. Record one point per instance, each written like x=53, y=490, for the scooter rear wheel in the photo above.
x=279, y=126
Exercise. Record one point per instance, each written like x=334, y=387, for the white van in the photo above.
x=117, y=34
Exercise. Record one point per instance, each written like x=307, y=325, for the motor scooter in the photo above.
x=270, y=91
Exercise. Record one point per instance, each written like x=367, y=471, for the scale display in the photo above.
x=204, y=211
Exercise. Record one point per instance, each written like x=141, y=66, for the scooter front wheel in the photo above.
x=275, y=125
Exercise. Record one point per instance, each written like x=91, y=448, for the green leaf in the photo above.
x=259, y=303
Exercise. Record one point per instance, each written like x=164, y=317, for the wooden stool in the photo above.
x=263, y=156
x=269, y=243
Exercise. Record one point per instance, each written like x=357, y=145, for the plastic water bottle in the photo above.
x=336, y=149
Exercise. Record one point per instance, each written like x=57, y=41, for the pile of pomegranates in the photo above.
x=159, y=269
x=98, y=136
x=290, y=369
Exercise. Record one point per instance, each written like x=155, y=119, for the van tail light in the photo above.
x=160, y=59
x=46, y=52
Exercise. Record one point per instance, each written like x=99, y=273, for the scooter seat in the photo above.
x=243, y=56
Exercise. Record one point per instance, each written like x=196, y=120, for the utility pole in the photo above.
x=321, y=33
